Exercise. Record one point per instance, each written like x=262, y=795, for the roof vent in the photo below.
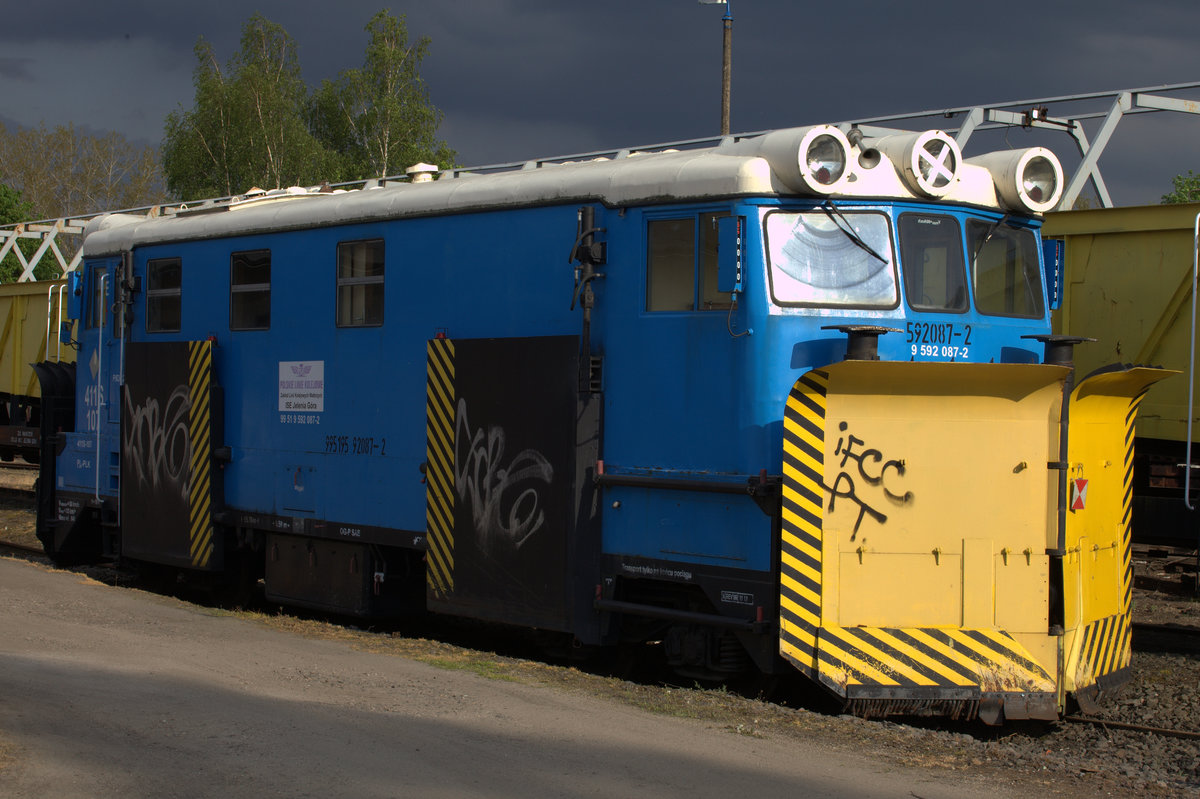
x=422, y=172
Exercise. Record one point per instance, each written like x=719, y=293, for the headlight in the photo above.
x=1039, y=179
x=928, y=162
x=822, y=157
x=812, y=160
x=1026, y=180
x=937, y=161
x=825, y=160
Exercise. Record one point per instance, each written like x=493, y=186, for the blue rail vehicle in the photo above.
x=601, y=398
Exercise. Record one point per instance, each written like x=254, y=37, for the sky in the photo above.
x=523, y=79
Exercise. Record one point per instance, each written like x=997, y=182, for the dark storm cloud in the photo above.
x=518, y=79
x=16, y=69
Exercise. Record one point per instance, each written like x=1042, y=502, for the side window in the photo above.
x=360, y=283
x=164, y=292
x=97, y=305
x=710, y=298
x=250, y=290
x=671, y=265
x=1006, y=271
x=931, y=257
x=681, y=264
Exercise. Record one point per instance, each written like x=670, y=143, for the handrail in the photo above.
x=99, y=381
x=49, y=316
x=1187, y=478
x=58, y=349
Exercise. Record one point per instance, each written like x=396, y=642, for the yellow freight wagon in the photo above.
x=32, y=315
x=1128, y=284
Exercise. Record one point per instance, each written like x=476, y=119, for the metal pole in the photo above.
x=726, y=65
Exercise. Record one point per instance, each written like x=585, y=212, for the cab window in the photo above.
x=1005, y=270
x=931, y=258
x=681, y=264
x=832, y=259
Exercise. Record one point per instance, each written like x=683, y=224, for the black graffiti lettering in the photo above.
x=863, y=508
x=872, y=470
x=898, y=468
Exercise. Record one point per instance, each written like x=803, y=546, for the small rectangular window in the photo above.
x=671, y=265
x=250, y=290
x=164, y=294
x=98, y=304
x=360, y=283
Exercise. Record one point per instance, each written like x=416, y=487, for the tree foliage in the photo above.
x=379, y=118
x=1185, y=189
x=254, y=122
x=13, y=209
x=247, y=126
x=67, y=172
x=50, y=174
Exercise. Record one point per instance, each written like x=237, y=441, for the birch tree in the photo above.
x=246, y=127
x=379, y=118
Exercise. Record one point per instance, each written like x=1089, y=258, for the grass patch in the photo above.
x=490, y=669
x=8, y=755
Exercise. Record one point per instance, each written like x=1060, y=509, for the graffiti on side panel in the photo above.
x=506, y=508
x=157, y=443
x=866, y=478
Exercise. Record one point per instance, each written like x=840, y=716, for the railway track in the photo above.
x=21, y=550
x=1121, y=725
x=17, y=493
x=1179, y=638
x=16, y=481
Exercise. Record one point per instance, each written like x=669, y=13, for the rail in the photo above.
x=1123, y=725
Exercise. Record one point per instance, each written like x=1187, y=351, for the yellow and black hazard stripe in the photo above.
x=439, y=469
x=803, y=501
x=925, y=657
x=1127, y=501
x=200, y=530
x=1107, y=646
x=856, y=661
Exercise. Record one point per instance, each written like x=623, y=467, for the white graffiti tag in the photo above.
x=157, y=443
x=505, y=506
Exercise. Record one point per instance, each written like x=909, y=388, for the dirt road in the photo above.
x=108, y=692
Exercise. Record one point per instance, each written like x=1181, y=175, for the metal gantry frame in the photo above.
x=962, y=122
x=1108, y=107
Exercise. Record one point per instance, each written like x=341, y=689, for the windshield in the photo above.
x=1005, y=270
x=931, y=257
x=814, y=262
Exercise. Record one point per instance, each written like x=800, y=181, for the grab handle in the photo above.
x=1187, y=478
